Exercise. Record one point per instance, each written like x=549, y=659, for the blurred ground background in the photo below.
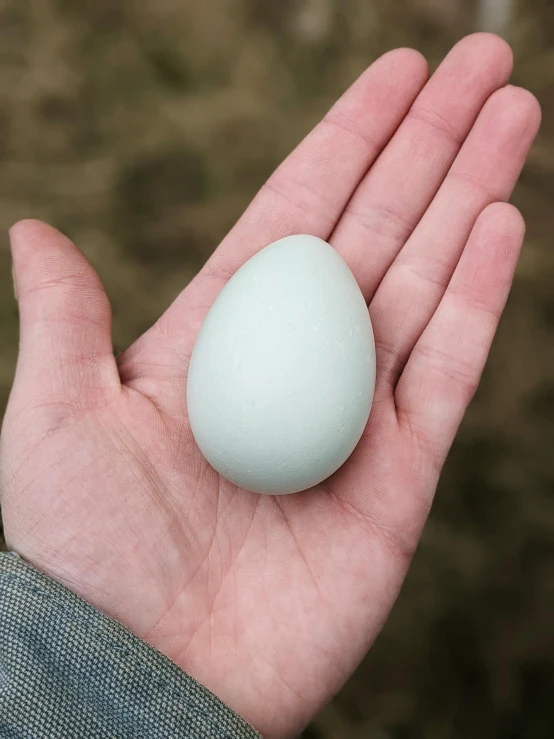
x=142, y=130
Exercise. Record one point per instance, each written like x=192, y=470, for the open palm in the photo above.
x=272, y=601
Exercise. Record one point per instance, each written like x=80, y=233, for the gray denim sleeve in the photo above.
x=68, y=671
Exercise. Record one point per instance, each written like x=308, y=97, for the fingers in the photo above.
x=396, y=192
x=445, y=366
x=65, y=353
x=485, y=171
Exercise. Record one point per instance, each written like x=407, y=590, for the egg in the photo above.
x=282, y=374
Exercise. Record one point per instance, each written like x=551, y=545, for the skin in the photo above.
x=272, y=602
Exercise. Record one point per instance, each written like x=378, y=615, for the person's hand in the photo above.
x=271, y=602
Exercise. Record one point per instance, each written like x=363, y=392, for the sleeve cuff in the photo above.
x=66, y=669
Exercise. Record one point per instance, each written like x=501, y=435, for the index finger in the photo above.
x=306, y=194
x=310, y=189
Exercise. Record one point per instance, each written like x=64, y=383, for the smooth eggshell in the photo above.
x=282, y=375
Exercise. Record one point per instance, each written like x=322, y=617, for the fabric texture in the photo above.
x=68, y=671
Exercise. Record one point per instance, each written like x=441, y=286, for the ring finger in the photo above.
x=484, y=172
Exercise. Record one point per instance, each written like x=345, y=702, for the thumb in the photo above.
x=65, y=353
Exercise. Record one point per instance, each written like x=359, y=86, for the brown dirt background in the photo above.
x=143, y=129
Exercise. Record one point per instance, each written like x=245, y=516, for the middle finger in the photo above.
x=394, y=195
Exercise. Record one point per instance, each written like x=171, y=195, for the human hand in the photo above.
x=271, y=602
